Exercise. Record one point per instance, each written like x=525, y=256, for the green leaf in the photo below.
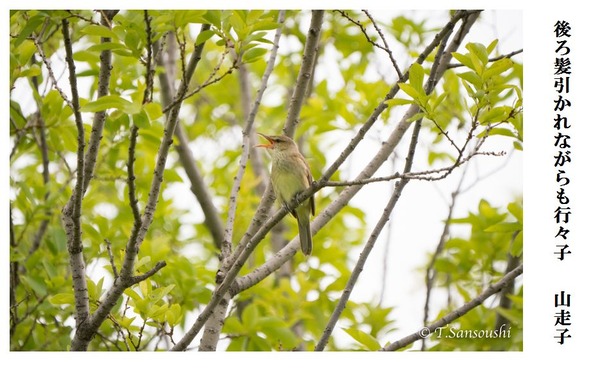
x=111, y=101
x=479, y=50
x=32, y=71
x=496, y=114
x=233, y=326
x=100, y=31
x=463, y=59
x=505, y=227
x=253, y=54
x=117, y=48
x=62, y=299
x=132, y=41
x=490, y=48
x=498, y=131
x=126, y=322
x=363, y=338
x=157, y=312
x=132, y=294
x=204, y=36
x=411, y=91
x=25, y=51
x=398, y=102
x=438, y=100
x=183, y=18
x=159, y=293
x=517, y=246
x=36, y=283
x=516, y=209
x=250, y=317
x=94, y=290
x=31, y=25
x=142, y=120
x=415, y=77
x=174, y=316
x=212, y=17
x=238, y=24
x=498, y=67
x=154, y=110
x=518, y=145
x=471, y=77
x=265, y=25
x=511, y=315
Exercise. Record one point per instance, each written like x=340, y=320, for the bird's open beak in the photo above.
x=268, y=145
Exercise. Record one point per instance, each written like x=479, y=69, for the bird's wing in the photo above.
x=310, y=180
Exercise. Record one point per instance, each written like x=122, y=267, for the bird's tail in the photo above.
x=305, y=236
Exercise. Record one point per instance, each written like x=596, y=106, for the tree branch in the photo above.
x=307, y=68
x=505, y=301
x=147, y=98
x=187, y=159
x=100, y=116
x=72, y=211
x=461, y=311
x=85, y=164
x=51, y=75
x=430, y=272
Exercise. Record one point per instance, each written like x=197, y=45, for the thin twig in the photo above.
x=341, y=305
x=386, y=48
x=111, y=258
x=139, y=278
x=430, y=271
x=494, y=59
x=149, y=76
x=383, y=220
x=362, y=28
x=441, y=35
x=461, y=311
x=131, y=187
x=51, y=75
x=211, y=79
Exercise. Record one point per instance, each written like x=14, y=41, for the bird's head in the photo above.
x=277, y=143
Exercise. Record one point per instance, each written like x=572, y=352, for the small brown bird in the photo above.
x=290, y=175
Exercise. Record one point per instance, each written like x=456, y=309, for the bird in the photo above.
x=290, y=175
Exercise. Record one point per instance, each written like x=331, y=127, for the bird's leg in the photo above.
x=287, y=207
x=296, y=197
